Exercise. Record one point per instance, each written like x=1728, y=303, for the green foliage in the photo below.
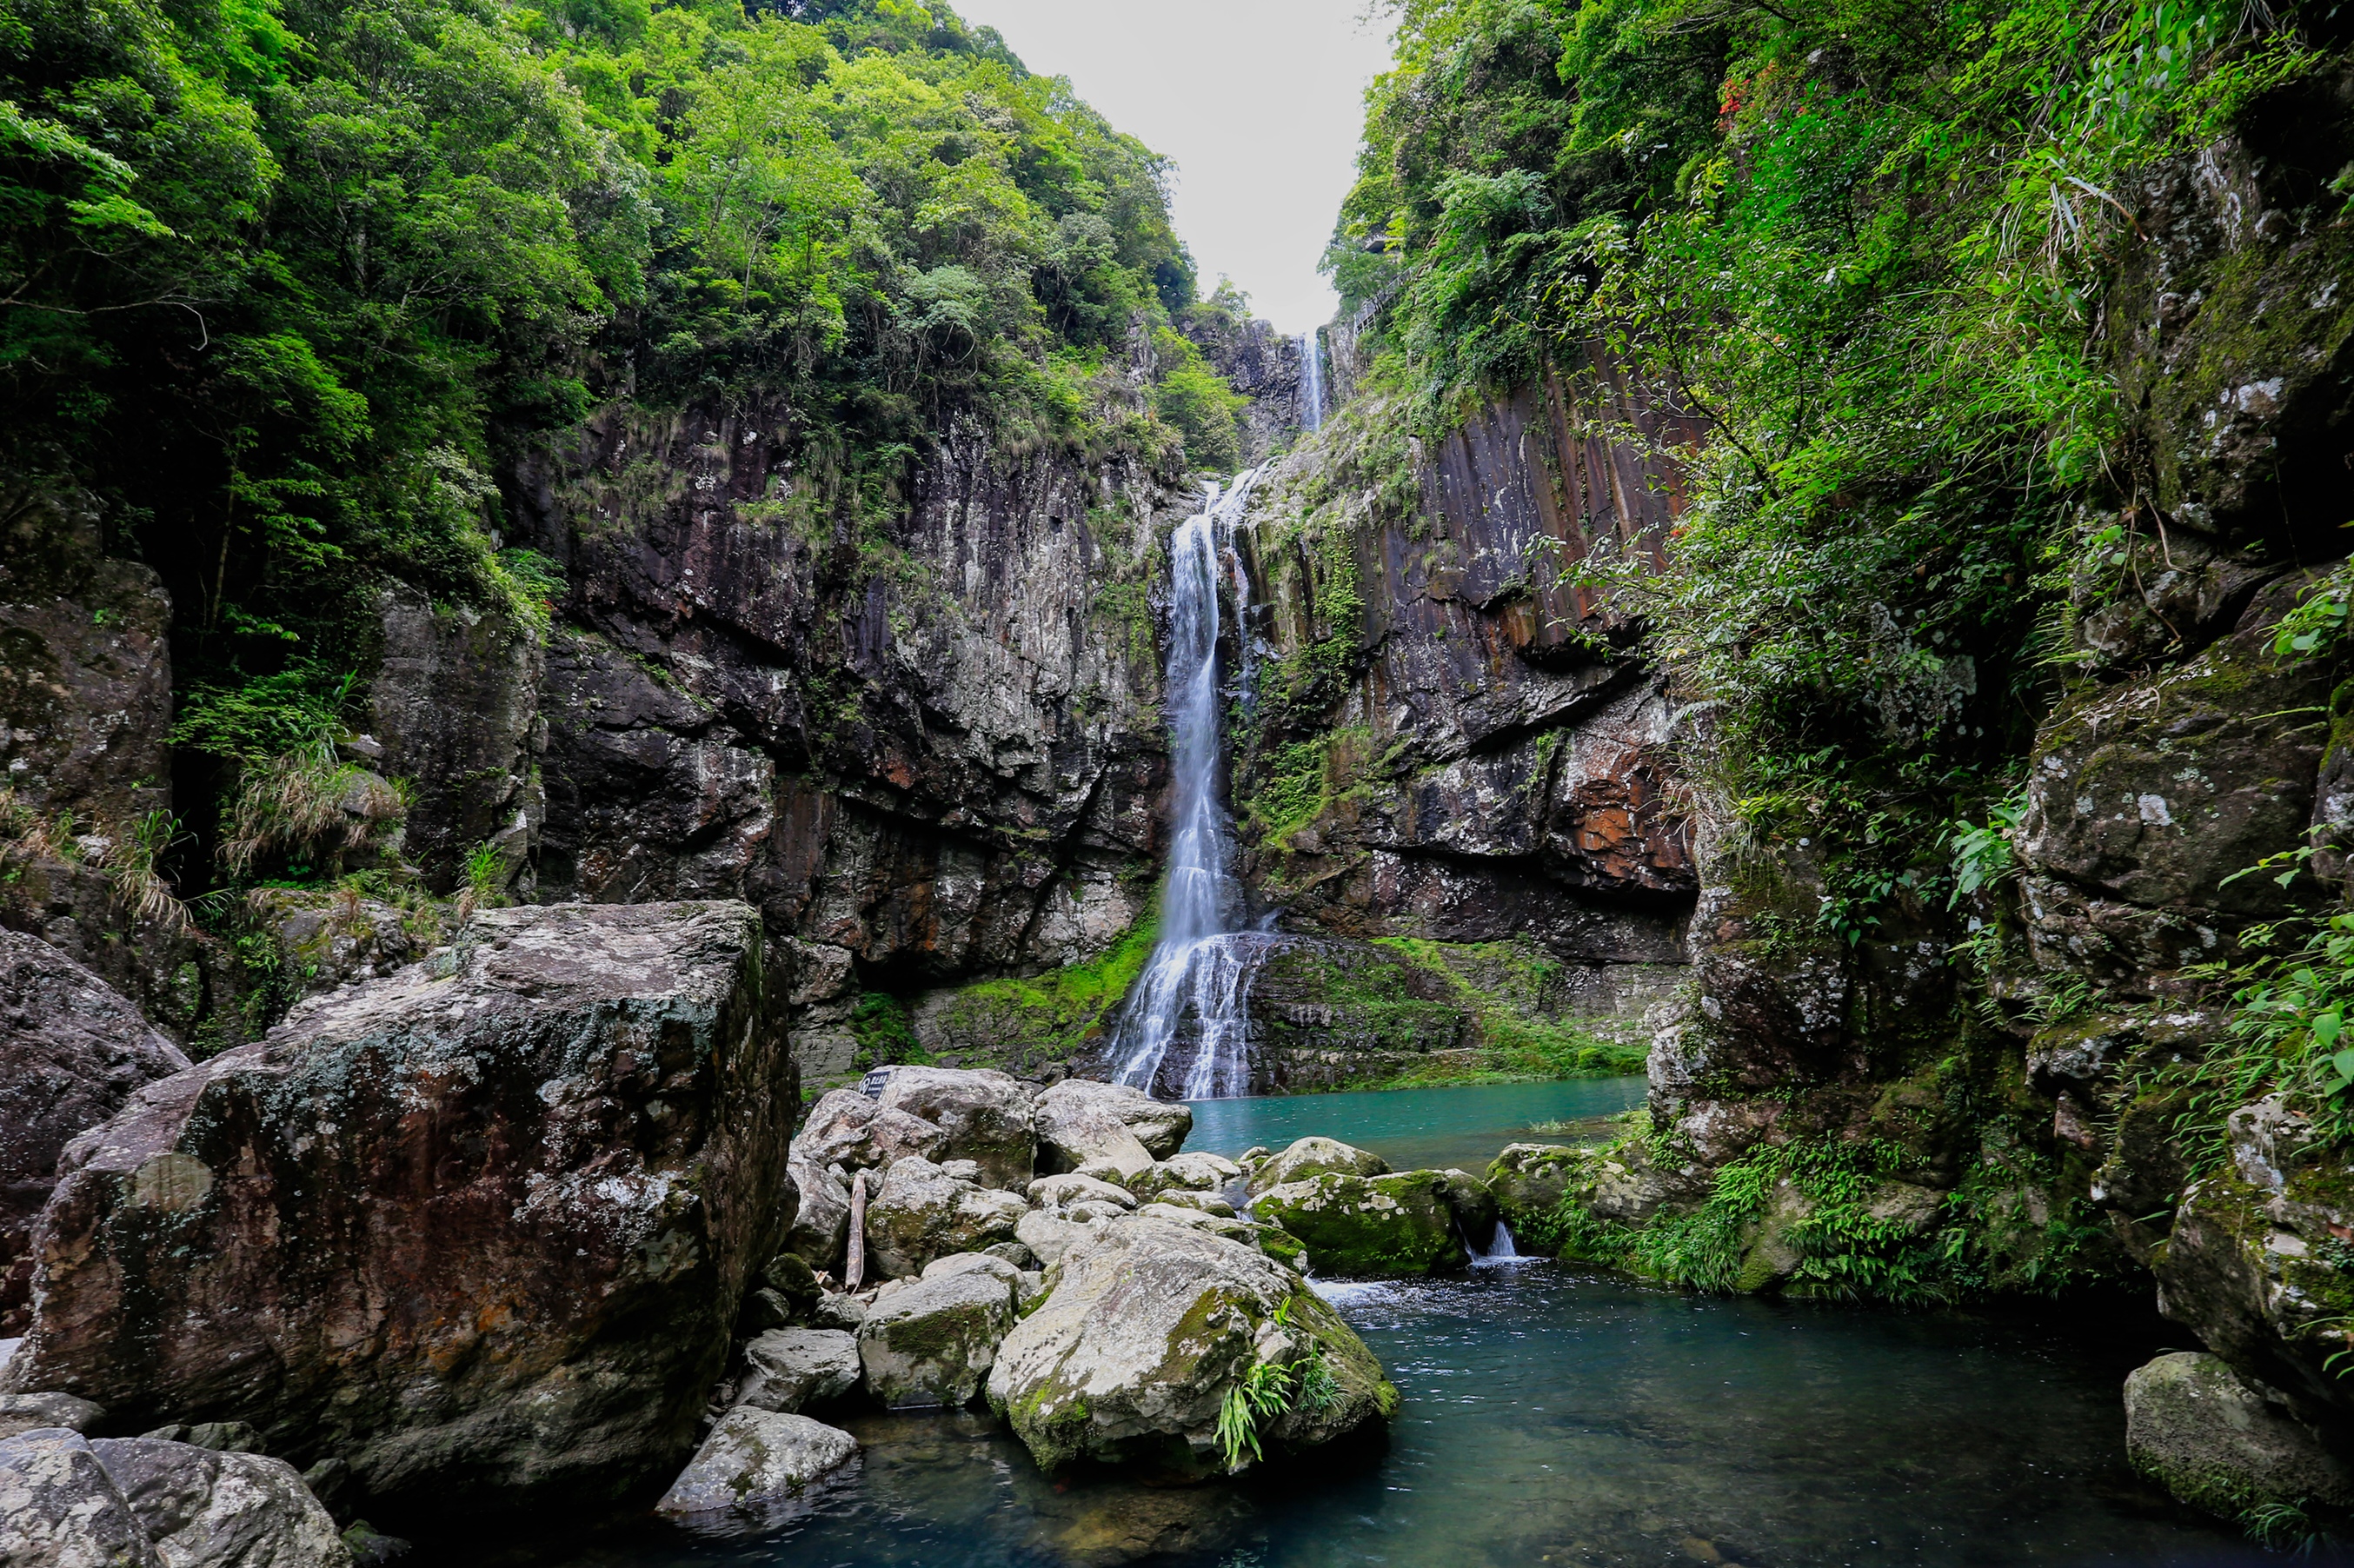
x=1858, y=251
x=1020, y=1021
x=2319, y=622
x=287, y=282
x=1199, y=405
x=483, y=880
x=1261, y=1393
x=885, y=1037
x=1821, y=1200
x=2288, y=1034
x=1982, y=854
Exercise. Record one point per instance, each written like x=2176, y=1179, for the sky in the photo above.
x=1258, y=101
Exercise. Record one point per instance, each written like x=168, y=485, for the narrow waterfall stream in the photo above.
x=1311, y=383
x=1185, y=1033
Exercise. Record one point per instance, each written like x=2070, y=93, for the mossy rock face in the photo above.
x=2257, y=1266
x=1147, y=1328
x=1373, y=1226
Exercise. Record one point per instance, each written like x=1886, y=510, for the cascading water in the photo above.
x=1184, y=1033
x=1311, y=383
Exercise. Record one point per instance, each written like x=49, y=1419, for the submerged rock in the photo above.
x=1148, y=1328
x=983, y=1116
x=792, y=1370
x=2219, y=1442
x=932, y=1341
x=1312, y=1156
x=756, y=1469
x=1380, y=1226
x=482, y=1229
x=72, y=1049
x=923, y=1213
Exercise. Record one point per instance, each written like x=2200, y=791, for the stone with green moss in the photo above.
x=2224, y=1443
x=932, y=1341
x=1143, y=1385
x=1410, y=1223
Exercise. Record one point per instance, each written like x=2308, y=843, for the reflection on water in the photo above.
x=1553, y=1416
x=1420, y=1129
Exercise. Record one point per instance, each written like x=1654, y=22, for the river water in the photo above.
x=1553, y=1416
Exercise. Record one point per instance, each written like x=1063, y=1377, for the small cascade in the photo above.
x=1500, y=1249
x=1311, y=383
x=1185, y=1033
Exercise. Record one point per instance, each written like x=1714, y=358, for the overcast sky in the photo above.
x=1259, y=103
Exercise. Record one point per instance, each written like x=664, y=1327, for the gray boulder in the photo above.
x=30, y=1412
x=59, y=1509
x=846, y=1128
x=72, y=1049
x=923, y=1213
x=985, y=1117
x=1185, y=1173
x=2219, y=1442
x=470, y=1320
x=138, y=1502
x=1053, y=1193
x=1150, y=1325
x=1311, y=1157
x=1069, y=1113
x=792, y=1369
x=757, y=1469
x=204, y=1509
x=931, y=1342
x=820, y=1229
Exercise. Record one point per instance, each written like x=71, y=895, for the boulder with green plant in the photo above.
x=1182, y=1354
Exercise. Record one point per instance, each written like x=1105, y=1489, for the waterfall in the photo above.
x=1184, y=1032
x=1500, y=1248
x=1311, y=383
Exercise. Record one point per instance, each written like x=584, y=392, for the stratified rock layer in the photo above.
x=481, y=1229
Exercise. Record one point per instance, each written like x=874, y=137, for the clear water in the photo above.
x=1421, y=1129
x=1552, y=1415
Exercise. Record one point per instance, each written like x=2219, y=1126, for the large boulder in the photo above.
x=59, y=1509
x=1148, y=1328
x=2251, y=1262
x=1529, y=1179
x=1381, y=1227
x=756, y=1469
x=71, y=1050
x=821, y=1228
x=68, y=1502
x=846, y=1128
x=2222, y=1442
x=204, y=1509
x=1311, y=1157
x=923, y=1211
x=984, y=1116
x=482, y=1229
x=792, y=1369
x=932, y=1341
x=1076, y=1117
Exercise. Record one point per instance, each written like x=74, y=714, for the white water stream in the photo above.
x=1311, y=383
x=1185, y=1033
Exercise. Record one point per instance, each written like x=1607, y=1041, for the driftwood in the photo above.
x=854, y=1271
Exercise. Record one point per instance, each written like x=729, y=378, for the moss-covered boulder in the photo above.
x=932, y=1341
x=1378, y=1227
x=1308, y=1157
x=1151, y=1327
x=2222, y=1442
x=926, y=1211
